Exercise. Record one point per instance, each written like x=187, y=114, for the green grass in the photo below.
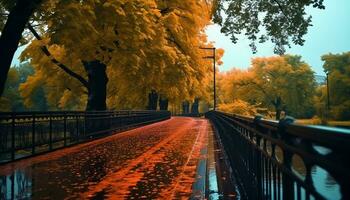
x=313, y=121
x=339, y=123
x=317, y=121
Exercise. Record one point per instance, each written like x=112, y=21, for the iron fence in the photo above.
x=282, y=160
x=25, y=134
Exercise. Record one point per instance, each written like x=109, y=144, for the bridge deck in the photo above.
x=156, y=161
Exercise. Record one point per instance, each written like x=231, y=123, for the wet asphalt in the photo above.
x=144, y=163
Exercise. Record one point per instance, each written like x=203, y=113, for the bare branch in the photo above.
x=56, y=62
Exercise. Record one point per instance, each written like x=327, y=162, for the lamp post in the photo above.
x=214, y=65
x=328, y=100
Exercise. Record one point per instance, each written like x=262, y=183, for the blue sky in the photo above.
x=330, y=33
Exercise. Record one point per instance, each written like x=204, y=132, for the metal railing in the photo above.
x=25, y=134
x=282, y=160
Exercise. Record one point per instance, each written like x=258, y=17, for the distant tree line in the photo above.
x=12, y=100
x=286, y=84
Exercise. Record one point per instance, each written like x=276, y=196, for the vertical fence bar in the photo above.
x=278, y=184
x=86, y=126
x=267, y=178
x=270, y=178
x=288, y=185
x=13, y=126
x=33, y=134
x=109, y=122
x=274, y=188
x=12, y=177
x=298, y=192
x=65, y=128
x=308, y=195
x=262, y=176
x=77, y=127
x=258, y=172
x=50, y=132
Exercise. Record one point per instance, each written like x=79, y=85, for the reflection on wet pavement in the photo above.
x=144, y=163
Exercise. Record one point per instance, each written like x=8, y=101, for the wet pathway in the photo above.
x=157, y=161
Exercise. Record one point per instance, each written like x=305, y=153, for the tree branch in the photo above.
x=56, y=62
x=251, y=82
x=282, y=10
x=173, y=40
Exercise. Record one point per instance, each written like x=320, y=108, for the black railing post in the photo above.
x=13, y=144
x=12, y=177
x=287, y=182
x=77, y=127
x=50, y=132
x=111, y=116
x=259, y=177
x=65, y=128
x=131, y=117
x=33, y=134
x=86, y=127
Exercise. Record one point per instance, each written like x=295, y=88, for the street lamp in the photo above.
x=214, y=63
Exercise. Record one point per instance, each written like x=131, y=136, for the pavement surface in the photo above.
x=157, y=161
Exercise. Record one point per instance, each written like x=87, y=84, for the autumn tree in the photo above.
x=126, y=40
x=93, y=45
x=280, y=21
x=286, y=83
x=281, y=83
x=141, y=46
x=320, y=103
x=283, y=20
x=229, y=85
x=18, y=13
x=238, y=107
x=181, y=75
x=337, y=66
x=11, y=99
x=234, y=98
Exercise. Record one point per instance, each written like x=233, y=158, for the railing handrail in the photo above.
x=332, y=137
x=58, y=129
x=254, y=141
x=75, y=112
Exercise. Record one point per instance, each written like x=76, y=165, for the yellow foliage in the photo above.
x=238, y=107
x=277, y=83
x=28, y=88
x=145, y=44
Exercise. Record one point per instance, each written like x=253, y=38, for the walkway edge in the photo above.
x=225, y=187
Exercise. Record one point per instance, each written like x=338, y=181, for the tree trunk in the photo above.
x=97, y=82
x=278, y=113
x=152, y=100
x=185, y=107
x=163, y=103
x=277, y=103
x=12, y=33
x=195, y=105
